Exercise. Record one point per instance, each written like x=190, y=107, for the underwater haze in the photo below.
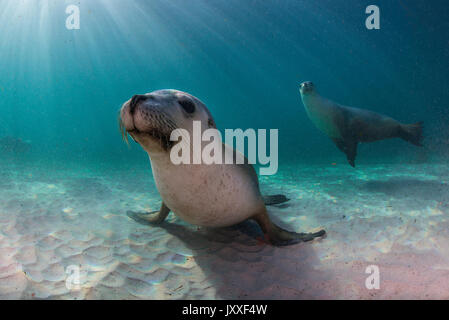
x=61, y=89
x=67, y=178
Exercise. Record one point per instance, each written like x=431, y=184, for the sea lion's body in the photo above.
x=210, y=195
x=206, y=190
x=348, y=126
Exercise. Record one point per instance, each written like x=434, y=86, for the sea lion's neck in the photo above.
x=321, y=112
x=314, y=104
x=160, y=159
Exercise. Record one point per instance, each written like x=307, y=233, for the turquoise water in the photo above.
x=61, y=89
x=67, y=178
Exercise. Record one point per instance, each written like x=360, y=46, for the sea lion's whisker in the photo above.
x=122, y=129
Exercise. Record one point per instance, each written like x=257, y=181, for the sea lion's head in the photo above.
x=150, y=118
x=306, y=87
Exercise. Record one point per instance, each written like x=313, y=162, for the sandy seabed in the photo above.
x=57, y=219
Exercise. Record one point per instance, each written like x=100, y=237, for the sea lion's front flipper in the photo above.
x=349, y=147
x=280, y=237
x=150, y=218
x=274, y=199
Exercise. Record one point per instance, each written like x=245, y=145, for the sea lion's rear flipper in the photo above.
x=349, y=147
x=150, y=218
x=280, y=237
x=274, y=199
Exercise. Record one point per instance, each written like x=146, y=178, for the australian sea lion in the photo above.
x=14, y=145
x=348, y=126
x=210, y=195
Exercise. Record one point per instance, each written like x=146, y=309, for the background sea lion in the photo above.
x=348, y=126
x=215, y=195
x=14, y=145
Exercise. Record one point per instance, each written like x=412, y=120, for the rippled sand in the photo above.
x=54, y=220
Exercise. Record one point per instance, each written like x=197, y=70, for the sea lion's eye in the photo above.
x=187, y=105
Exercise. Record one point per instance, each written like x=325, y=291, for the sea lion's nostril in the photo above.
x=135, y=100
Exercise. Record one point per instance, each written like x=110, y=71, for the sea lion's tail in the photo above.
x=412, y=133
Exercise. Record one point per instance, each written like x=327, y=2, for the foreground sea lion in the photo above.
x=215, y=195
x=348, y=126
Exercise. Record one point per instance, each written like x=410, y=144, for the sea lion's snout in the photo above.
x=126, y=119
x=136, y=100
x=138, y=114
x=144, y=118
x=126, y=114
x=306, y=87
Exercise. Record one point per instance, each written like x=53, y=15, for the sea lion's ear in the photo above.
x=211, y=123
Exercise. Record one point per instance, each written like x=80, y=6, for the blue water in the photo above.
x=67, y=179
x=61, y=89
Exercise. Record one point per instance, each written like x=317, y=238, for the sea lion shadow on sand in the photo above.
x=240, y=265
x=399, y=187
